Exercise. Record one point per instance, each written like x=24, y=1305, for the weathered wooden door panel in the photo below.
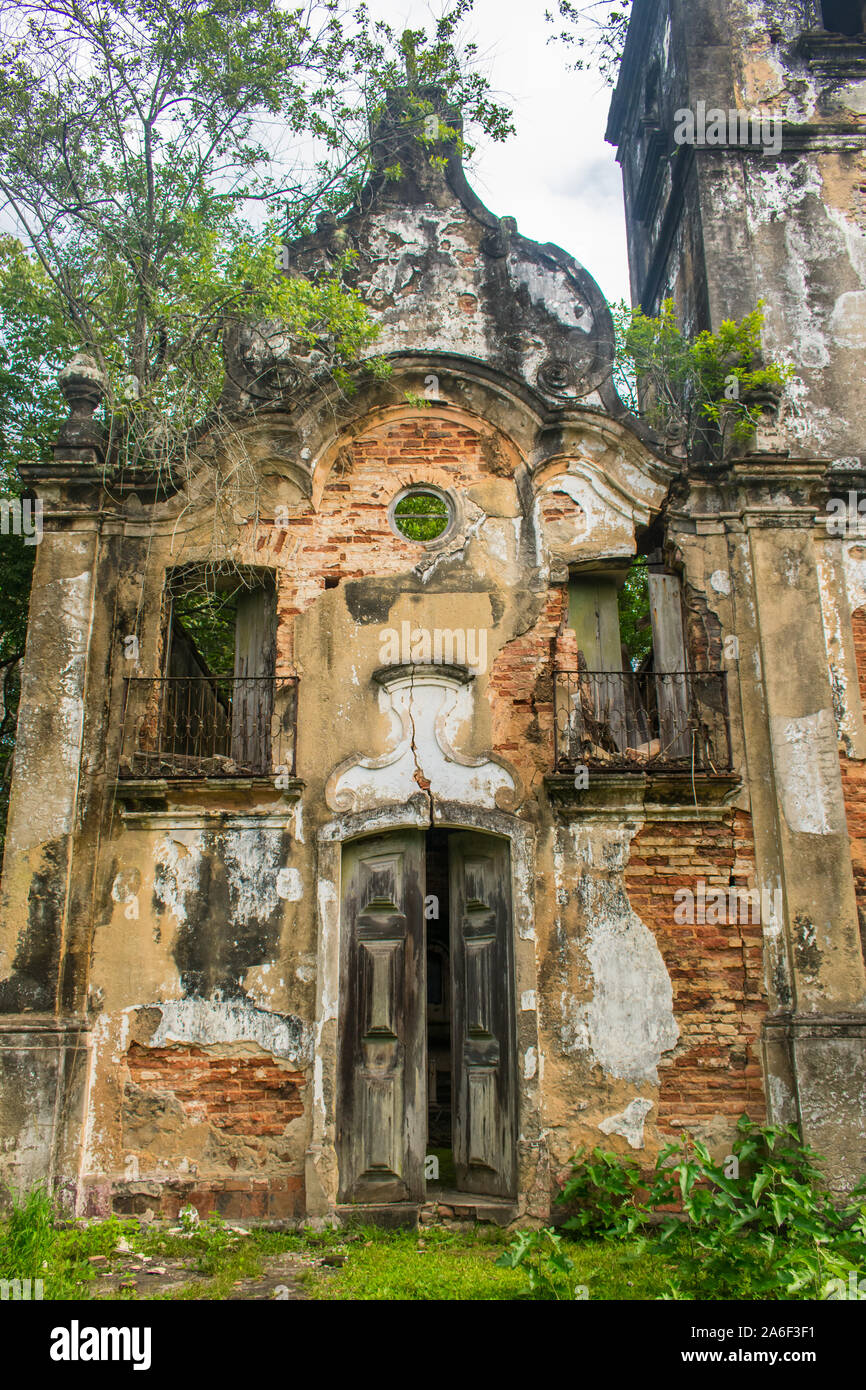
x=252, y=696
x=482, y=982
x=669, y=656
x=382, y=1116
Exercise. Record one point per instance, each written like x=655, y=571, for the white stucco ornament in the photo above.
x=430, y=706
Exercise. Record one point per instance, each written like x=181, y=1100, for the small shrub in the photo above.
x=548, y=1267
x=703, y=392
x=773, y=1231
x=189, y=1219
x=603, y=1192
x=218, y=1241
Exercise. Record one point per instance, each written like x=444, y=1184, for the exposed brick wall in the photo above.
x=249, y=1199
x=249, y=1096
x=349, y=537
x=716, y=971
x=557, y=509
x=854, y=785
x=521, y=692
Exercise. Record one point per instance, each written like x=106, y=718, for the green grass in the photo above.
x=34, y=1244
x=433, y=1263
x=455, y=1265
x=418, y=1266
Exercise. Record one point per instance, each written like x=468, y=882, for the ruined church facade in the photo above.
x=417, y=880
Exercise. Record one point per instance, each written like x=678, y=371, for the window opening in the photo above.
x=421, y=514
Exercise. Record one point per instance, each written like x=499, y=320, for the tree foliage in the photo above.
x=154, y=153
x=635, y=624
x=705, y=392
x=595, y=32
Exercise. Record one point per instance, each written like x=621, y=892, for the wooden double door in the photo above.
x=382, y=1111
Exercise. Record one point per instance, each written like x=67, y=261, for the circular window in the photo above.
x=421, y=514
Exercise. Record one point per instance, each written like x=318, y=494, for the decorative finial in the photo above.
x=83, y=384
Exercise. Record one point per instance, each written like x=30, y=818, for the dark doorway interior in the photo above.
x=843, y=16
x=439, y=1071
x=469, y=1052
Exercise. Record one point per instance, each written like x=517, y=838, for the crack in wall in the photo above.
x=419, y=777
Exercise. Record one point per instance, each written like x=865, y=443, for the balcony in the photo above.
x=209, y=726
x=628, y=722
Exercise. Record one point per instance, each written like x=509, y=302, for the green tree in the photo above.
x=635, y=625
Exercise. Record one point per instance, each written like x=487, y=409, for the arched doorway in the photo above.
x=419, y=1079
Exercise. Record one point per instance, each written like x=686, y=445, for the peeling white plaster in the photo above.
x=720, y=582
x=855, y=573
x=776, y=188
x=807, y=772
x=782, y=1106
x=629, y=1124
x=329, y=916
x=854, y=242
x=848, y=320
x=853, y=97
x=530, y=1064
x=846, y=702
x=290, y=885
x=502, y=539
x=628, y=1024
x=550, y=290
x=181, y=872
x=318, y=1083
x=771, y=899
x=207, y=1021
x=252, y=863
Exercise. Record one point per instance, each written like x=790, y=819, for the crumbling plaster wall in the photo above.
x=205, y=944
x=648, y=1025
x=727, y=227
x=720, y=227
x=803, y=217
x=198, y=964
x=205, y=953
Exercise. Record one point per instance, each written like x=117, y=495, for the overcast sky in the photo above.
x=557, y=175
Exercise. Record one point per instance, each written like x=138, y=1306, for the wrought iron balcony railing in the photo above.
x=209, y=726
x=633, y=722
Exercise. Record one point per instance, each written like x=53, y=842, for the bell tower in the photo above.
x=740, y=127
